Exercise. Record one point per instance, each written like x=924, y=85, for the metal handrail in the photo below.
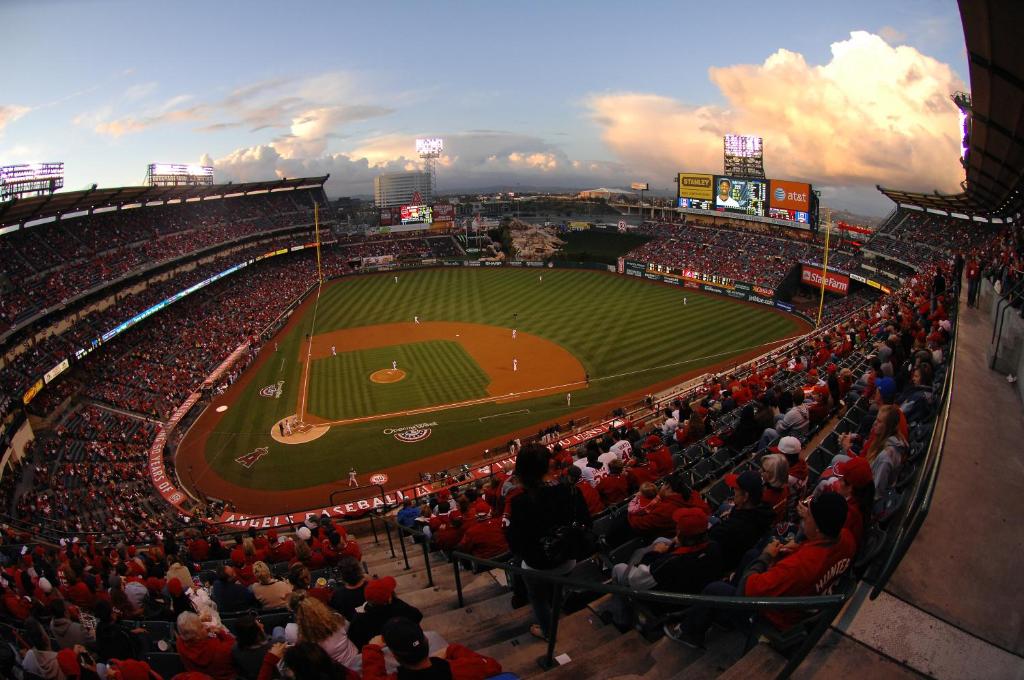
x=823, y=603
x=924, y=487
x=830, y=603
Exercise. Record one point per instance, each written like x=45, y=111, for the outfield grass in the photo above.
x=436, y=372
x=626, y=332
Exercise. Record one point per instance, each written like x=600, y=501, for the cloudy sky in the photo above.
x=525, y=94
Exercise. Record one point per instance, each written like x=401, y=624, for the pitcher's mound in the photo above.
x=299, y=433
x=387, y=375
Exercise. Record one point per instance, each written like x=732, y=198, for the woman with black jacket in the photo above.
x=541, y=507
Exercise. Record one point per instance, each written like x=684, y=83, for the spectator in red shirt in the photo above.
x=784, y=570
x=614, y=487
x=658, y=518
x=485, y=537
x=202, y=653
x=587, y=490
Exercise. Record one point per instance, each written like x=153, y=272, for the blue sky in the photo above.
x=556, y=94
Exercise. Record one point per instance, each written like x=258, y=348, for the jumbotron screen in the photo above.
x=747, y=196
x=416, y=214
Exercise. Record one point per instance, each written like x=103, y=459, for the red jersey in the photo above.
x=812, y=569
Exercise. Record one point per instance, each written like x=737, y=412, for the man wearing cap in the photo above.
x=381, y=606
x=855, y=483
x=746, y=523
x=684, y=564
x=408, y=644
x=791, y=570
x=659, y=458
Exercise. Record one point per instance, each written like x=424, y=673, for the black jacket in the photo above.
x=740, y=531
x=689, y=572
x=535, y=512
x=370, y=623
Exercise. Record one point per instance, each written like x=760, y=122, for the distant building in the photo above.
x=398, y=188
x=603, y=193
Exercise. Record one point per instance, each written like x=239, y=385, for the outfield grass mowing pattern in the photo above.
x=437, y=372
x=627, y=333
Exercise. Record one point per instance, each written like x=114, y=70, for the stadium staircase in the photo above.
x=489, y=624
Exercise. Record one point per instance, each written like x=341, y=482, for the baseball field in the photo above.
x=432, y=369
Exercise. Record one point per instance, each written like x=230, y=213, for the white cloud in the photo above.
x=471, y=160
x=873, y=114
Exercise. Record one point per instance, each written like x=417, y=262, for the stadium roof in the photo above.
x=995, y=158
x=19, y=211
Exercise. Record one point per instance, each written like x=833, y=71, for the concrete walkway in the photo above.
x=963, y=566
x=955, y=606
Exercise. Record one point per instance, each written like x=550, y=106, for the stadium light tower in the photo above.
x=429, y=150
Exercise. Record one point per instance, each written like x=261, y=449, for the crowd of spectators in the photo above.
x=48, y=264
x=255, y=606
x=415, y=248
x=737, y=254
x=916, y=237
x=25, y=368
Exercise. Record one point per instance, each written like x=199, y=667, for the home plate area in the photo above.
x=291, y=430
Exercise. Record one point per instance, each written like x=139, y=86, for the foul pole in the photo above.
x=824, y=266
x=316, y=227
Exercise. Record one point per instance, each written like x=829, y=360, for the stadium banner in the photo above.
x=579, y=226
x=671, y=280
x=157, y=472
x=766, y=292
x=761, y=300
x=452, y=263
x=444, y=212
x=740, y=285
x=377, y=260
x=784, y=306
x=534, y=263
x=492, y=263
x=385, y=217
x=32, y=391
x=633, y=268
x=789, y=200
x=620, y=266
x=835, y=283
x=391, y=498
x=55, y=371
x=697, y=186
x=514, y=263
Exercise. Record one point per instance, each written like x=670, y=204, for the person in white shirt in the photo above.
x=724, y=200
x=668, y=428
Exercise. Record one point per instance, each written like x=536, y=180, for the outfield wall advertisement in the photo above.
x=835, y=283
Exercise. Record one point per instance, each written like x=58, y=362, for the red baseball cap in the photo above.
x=67, y=660
x=690, y=521
x=175, y=588
x=652, y=441
x=856, y=471
x=380, y=590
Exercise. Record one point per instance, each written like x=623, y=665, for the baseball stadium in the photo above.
x=299, y=413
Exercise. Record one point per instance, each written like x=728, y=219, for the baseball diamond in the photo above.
x=458, y=371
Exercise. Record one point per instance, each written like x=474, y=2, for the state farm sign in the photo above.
x=836, y=283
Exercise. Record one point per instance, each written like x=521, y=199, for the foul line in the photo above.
x=549, y=388
x=309, y=353
x=506, y=413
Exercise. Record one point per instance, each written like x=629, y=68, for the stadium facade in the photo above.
x=396, y=189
